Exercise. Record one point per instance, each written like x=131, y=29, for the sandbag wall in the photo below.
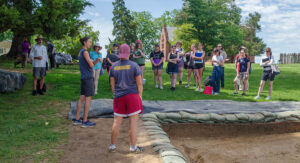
x=169, y=153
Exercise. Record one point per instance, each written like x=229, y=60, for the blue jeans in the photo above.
x=215, y=78
x=222, y=77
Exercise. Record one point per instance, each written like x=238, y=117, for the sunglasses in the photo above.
x=267, y=51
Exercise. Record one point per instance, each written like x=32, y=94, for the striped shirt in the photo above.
x=267, y=66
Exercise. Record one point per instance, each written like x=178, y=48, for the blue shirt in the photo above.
x=94, y=55
x=124, y=73
x=85, y=70
x=50, y=48
x=198, y=54
x=243, y=64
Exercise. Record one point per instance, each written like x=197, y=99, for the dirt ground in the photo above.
x=89, y=145
x=261, y=143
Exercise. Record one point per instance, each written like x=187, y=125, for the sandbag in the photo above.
x=150, y=123
x=217, y=117
x=231, y=118
x=149, y=115
x=157, y=133
x=281, y=115
x=242, y=116
x=163, y=147
x=150, y=119
x=153, y=128
x=173, y=159
x=256, y=117
x=292, y=119
x=202, y=117
x=175, y=116
x=267, y=114
x=186, y=115
x=161, y=115
x=169, y=121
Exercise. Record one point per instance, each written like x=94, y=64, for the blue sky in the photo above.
x=280, y=20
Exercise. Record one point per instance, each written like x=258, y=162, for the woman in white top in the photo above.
x=266, y=62
x=217, y=61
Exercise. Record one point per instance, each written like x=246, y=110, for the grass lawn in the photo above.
x=26, y=137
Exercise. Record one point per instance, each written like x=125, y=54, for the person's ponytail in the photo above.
x=82, y=40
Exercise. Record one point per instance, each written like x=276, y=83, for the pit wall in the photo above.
x=169, y=153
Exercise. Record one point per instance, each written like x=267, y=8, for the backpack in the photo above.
x=207, y=81
x=44, y=89
x=105, y=63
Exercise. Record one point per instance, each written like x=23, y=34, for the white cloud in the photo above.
x=105, y=27
x=280, y=23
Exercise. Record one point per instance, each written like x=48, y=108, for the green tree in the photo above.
x=147, y=30
x=72, y=45
x=255, y=45
x=8, y=35
x=124, y=30
x=50, y=18
x=211, y=22
x=168, y=18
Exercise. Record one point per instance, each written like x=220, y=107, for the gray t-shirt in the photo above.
x=125, y=73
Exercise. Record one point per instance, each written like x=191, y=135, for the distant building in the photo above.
x=167, y=34
x=5, y=47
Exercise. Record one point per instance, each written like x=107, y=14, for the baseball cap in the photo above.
x=115, y=44
x=124, y=51
x=157, y=45
x=138, y=41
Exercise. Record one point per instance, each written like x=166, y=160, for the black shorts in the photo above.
x=198, y=65
x=268, y=75
x=87, y=87
x=141, y=65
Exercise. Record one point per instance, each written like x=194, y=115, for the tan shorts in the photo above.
x=243, y=76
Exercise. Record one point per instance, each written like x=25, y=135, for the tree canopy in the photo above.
x=51, y=18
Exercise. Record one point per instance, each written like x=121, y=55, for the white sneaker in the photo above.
x=268, y=98
x=186, y=86
x=256, y=97
x=216, y=94
x=201, y=90
x=112, y=148
x=161, y=87
x=156, y=86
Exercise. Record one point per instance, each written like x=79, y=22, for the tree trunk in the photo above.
x=16, y=46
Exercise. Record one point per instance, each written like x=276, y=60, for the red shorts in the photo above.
x=128, y=105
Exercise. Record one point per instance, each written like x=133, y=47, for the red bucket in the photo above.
x=208, y=90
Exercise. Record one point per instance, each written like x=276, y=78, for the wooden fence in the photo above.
x=291, y=58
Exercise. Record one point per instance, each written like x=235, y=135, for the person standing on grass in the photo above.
x=126, y=83
x=190, y=66
x=86, y=66
x=242, y=72
x=180, y=52
x=112, y=56
x=173, y=59
x=266, y=62
x=39, y=57
x=224, y=55
x=139, y=55
x=25, y=51
x=198, y=58
x=237, y=57
x=132, y=51
x=94, y=55
x=157, y=60
x=217, y=61
x=51, y=52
